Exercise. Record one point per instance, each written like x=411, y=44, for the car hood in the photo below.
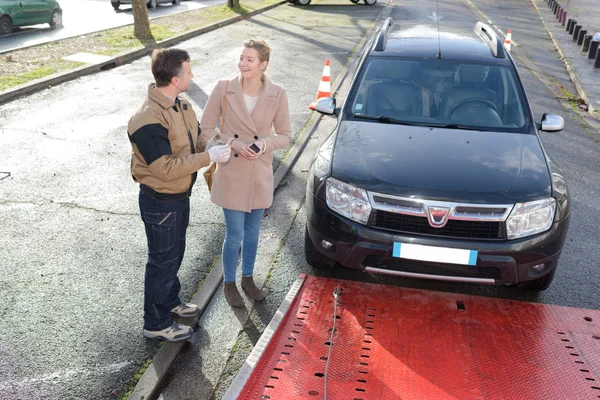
x=443, y=164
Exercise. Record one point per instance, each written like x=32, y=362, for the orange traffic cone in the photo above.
x=507, y=40
x=324, y=86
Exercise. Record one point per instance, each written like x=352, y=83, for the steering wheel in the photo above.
x=487, y=103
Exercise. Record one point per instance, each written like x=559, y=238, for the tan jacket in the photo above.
x=241, y=184
x=167, y=150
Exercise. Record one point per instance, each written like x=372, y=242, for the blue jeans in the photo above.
x=240, y=228
x=166, y=223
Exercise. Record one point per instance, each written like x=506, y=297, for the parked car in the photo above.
x=18, y=13
x=150, y=3
x=435, y=168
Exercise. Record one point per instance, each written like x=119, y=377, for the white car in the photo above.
x=150, y=3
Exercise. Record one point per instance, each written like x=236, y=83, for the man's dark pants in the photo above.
x=166, y=224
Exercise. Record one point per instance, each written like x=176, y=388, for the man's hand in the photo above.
x=220, y=153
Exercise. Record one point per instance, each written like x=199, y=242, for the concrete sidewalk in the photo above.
x=580, y=68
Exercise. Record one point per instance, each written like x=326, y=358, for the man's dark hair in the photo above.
x=167, y=63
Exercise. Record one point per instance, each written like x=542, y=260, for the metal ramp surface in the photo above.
x=397, y=343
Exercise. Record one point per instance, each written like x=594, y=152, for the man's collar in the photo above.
x=155, y=95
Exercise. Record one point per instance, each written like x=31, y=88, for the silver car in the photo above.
x=150, y=3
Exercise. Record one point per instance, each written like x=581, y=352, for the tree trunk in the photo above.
x=141, y=24
x=233, y=4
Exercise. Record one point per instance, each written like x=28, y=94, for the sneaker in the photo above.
x=186, y=310
x=174, y=333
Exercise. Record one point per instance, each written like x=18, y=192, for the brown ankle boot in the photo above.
x=251, y=289
x=232, y=295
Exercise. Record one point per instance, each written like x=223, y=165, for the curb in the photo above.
x=148, y=385
x=120, y=59
x=573, y=75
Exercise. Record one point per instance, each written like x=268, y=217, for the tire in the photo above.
x=175, y=2
x=5, y=25
x=370, y=2
x=540, y=284
x=116, y=4
x=355, y=1
x=152, y=3
x=56, y=19
x=302, y=2
x=312, y=255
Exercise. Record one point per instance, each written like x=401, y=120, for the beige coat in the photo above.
x=242, y=184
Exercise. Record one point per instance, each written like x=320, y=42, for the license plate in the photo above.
x=435, y=254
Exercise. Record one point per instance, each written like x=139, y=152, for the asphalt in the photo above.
x=579, y=66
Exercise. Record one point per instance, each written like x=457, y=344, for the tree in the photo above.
x=233, y=4
x=141, y=24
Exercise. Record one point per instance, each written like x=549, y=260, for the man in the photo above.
x=168, y=150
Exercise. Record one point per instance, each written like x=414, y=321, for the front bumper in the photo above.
x=369, y=249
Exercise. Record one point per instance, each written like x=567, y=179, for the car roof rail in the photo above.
x=383, y=34
x=489, y=37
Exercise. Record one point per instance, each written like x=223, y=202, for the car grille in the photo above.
x=403, y=223
x=418, y=267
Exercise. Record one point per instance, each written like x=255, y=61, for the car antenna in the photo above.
x=437, y=10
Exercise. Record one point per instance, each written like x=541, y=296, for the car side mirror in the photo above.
x=551, y=123
x=326, y=105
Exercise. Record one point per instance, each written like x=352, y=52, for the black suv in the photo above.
x=435, y=168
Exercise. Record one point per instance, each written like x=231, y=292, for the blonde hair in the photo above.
x=261, y=47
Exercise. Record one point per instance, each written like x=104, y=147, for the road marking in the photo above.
x=434, y=17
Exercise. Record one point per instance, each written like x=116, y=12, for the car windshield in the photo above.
x=439, y=93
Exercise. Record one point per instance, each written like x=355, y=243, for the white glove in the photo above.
x=220, y=153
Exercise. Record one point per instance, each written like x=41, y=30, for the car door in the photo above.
x=35, y=11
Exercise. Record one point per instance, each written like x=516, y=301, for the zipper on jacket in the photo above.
x=192, y=147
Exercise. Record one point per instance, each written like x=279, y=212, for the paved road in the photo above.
x=86, y=16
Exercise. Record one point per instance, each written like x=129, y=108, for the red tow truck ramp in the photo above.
x=398, y=343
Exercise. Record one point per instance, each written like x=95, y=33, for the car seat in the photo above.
x=467, y=92
x=397, y=96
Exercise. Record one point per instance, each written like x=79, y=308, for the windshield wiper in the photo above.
x=387, y=120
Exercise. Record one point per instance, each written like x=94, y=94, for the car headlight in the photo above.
x=561, y=194
x=528, y=219
x=348, y=200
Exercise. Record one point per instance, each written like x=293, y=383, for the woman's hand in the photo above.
x=244, y=150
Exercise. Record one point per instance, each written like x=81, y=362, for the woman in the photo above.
x=252, y=107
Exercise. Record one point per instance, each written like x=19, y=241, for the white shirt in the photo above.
x=250, y=102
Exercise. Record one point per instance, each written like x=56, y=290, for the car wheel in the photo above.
x=116, y=4
x=370, y=2
x=540, y=284
x=312, y=255
x=5, y=26
x=56, y=19
x=355, y=1
x=175, y=2
x=302, y=2
x=152, y=4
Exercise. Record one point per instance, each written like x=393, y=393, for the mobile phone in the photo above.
x=255, y=148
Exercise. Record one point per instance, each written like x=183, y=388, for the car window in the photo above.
x=446, y=92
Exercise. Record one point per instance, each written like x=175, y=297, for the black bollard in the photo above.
x=573, y=25
x=593, y=49
x=581, y=36
x=554, y=9
x=576, y=31
x=597, y=62
x=569, y=23
x=586, y=43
